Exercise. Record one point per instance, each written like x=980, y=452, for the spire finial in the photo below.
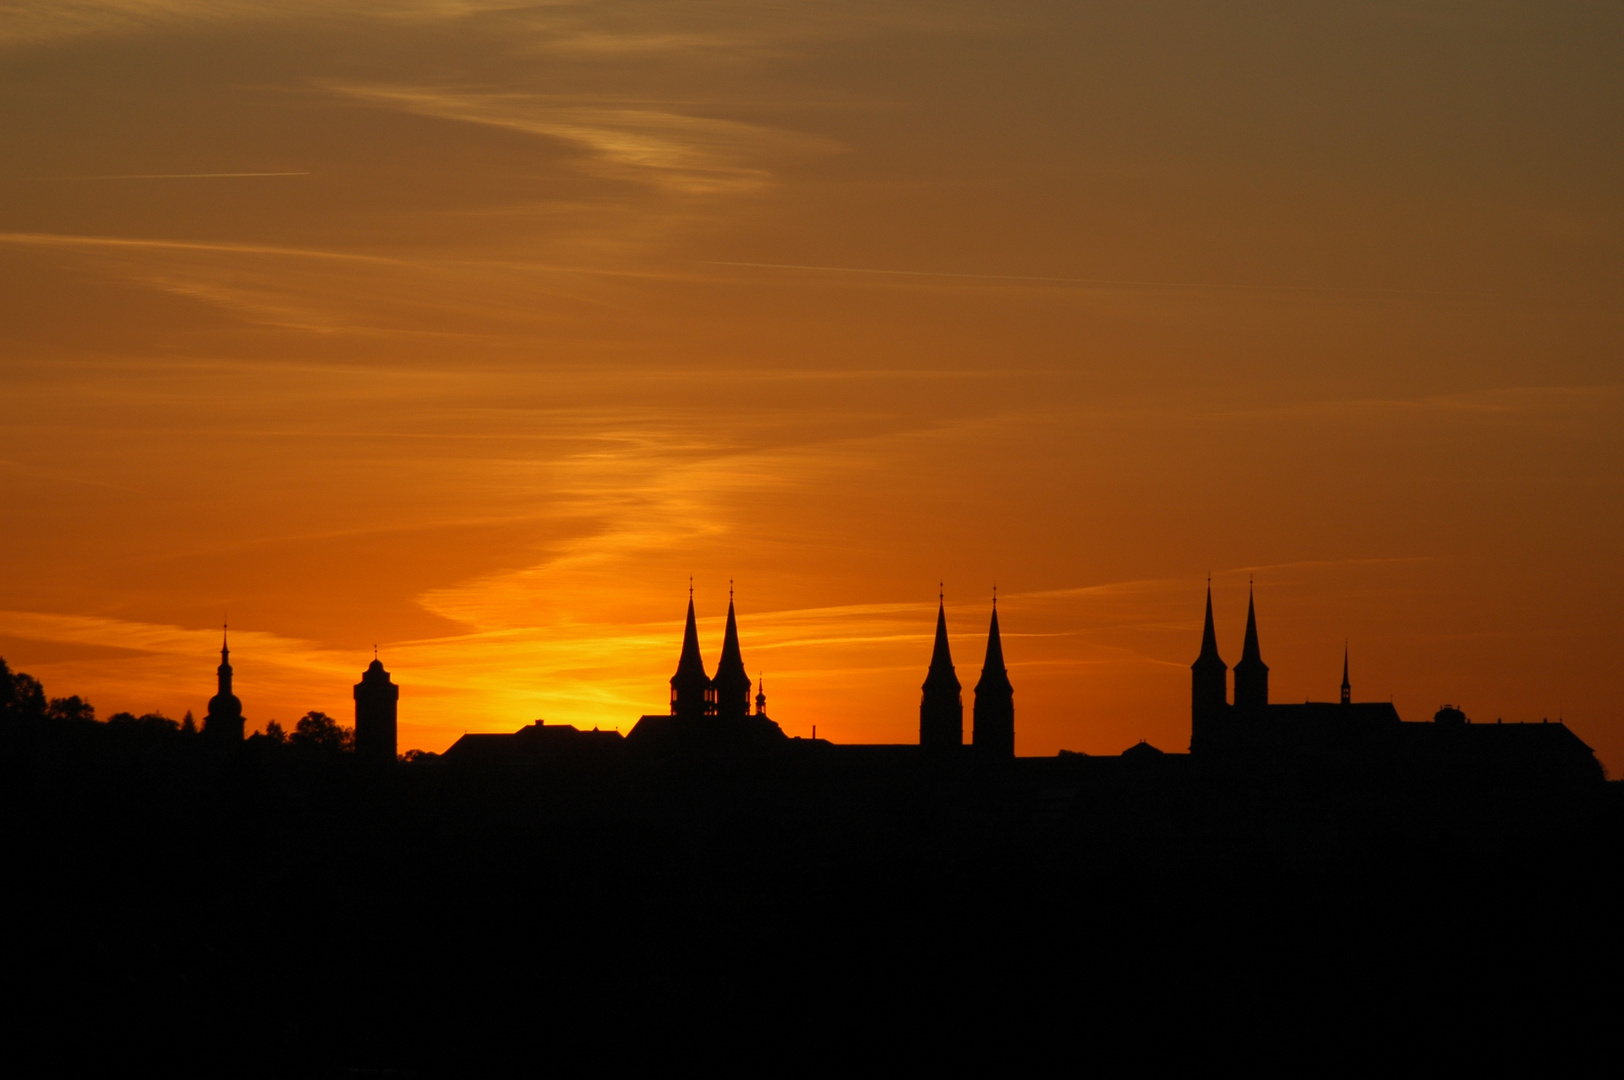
x=941, y=592
x=730, y=590
x=374, y=651
x=690, y=588
x=995, y=595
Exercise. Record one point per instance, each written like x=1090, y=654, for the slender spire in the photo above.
x=1347, y=688
x=1209, y=635
x=994, y=732
x=1249, y=650
x=690, y=686
x=1251, y=674
x=941, y=709
x=994, y=676
x=731, y=681
x=941, y=658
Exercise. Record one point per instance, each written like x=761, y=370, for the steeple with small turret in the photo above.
x=941, y=709
x=1251, y=674
x=224, y=721
x=993, y=733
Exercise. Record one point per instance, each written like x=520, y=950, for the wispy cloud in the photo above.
x=647, y=143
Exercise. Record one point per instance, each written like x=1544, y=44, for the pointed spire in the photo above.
x=1347, y=688
x=993, y=673
x=941, y=657
x=731, y=681
x=690, y=686
x=1251, y=674
x=225, y=647
x=1209, y=635
x=1249, y=650
x=732, y=659
x=691, y=661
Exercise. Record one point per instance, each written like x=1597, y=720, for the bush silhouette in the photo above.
x=318, y=731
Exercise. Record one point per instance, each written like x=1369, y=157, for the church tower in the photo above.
x=993, y=735
x=1209, y=687
x=224, y=721
x=941, y=710
x=692, y=695
x=1251, y=674
x=731, y=685
x=1347, y=688
x=376, y=699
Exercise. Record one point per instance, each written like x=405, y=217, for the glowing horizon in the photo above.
x=474, y=329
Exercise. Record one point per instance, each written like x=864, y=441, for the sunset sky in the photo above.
x=471, y=329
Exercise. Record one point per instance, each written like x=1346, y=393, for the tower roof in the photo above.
x=691, y=665
x=1251, y=656
x=993, y=673
x=941, y=658
x=731, y=663
x=1209, y=638
x=1345, y=684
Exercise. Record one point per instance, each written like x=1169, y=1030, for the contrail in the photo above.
x=183, y=175
x=1097, y=282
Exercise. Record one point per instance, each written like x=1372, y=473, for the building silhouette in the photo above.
x=692, y=694
x=224, y=722
x=1209, y=688
x=705, y=711
x=941, y=706
x=376, y=699
x=993, y=735
x=1365, y=738
x=1251, y=674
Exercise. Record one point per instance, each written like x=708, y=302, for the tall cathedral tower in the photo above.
x=692, y=694
x=941, y=710
x=1209, y=687
x=731, y=685
x=376, y=699
x=1251, y=674
x=994, y=732
x=224, y=721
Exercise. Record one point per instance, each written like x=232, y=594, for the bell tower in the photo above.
x=224, y=722
x=993, y=735
x=692, y=695
x=1209, y=688
x=1251, y=674
x=731, y=684
x=376, y=701
x=941, y=709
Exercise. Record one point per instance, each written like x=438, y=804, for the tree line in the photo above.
x=23, y=703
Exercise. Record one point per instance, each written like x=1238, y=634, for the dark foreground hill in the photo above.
x=278, y=912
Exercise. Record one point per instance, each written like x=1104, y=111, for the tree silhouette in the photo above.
x=71, y=710
x=188, y=726
x=152, y=723
x=274, y=732
x=318, y=731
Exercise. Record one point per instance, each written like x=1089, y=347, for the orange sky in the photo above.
x=472, y=329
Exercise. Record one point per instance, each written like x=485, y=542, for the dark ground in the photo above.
x=278, y=912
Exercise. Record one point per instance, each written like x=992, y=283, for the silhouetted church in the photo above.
x=1366, y=735
x=224, y=721
x=941, y=706
x=709, y=710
